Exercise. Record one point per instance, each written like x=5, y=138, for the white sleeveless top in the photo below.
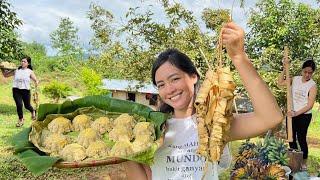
x=21, y=78
x=177, y=158
x=300, y=93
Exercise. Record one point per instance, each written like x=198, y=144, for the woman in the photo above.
x=21, y=88
x=304, y=91
x=176, y=77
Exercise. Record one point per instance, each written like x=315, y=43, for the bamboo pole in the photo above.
x=289, y=93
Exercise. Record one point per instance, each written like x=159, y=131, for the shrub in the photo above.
x=93, y=82
x=56, y=90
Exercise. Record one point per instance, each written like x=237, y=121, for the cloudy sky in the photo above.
x=41, y=17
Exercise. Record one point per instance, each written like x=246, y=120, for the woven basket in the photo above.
x=91, y=163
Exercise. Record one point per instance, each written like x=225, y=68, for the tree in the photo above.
x=37, y=52
x=275, y=24
x=146, y=37
x=65, y=38
x=149, y=37
x=10, y=46
x=66, y=41
x=101, y=20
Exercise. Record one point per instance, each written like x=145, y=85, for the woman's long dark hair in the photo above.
x=180, y=61
x=309, y=63
x=29, y=62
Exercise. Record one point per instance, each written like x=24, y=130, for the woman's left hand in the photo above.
x=291, y=113
x=233, y=39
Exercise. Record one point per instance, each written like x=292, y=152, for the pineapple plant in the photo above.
x=246, y=152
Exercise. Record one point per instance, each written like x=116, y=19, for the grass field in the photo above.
x=11, y=168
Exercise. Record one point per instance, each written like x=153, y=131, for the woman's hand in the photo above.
x=233, y=39
x=7, y=73
x=37, y=83
x=291, y=114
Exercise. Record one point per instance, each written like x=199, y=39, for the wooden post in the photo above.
x=289, y=93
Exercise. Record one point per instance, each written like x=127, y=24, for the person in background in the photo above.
x=304, y=91
x=21, y=88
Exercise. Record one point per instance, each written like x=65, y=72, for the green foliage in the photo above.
x=56, y=90
x=43, y=63
x=37, y=52
x=280, y=23
x=273, y=151
x=10, y=46
x=100, y=23
x=66, y=40
x=146, y=37
x=92, y=82
x=274, y=24
x=181, y=32
x=52, y=64
x=110, y=63
x=313, y=163
x=215, y=18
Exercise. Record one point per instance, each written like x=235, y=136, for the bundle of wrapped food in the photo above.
x=144, y=136
x=60, y=125
x=7, y=65
x=97, y=149
x=55, y=143
x=122, y=149
x=73, y=152
x=102, y=125
x=87, y=136
x=81, y=122
x=84, y=137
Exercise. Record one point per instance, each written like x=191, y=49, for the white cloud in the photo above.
x=41, y=17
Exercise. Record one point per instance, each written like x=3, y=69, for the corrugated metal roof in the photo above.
x=126, y=85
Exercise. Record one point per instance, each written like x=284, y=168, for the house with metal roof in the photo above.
x=132, y=90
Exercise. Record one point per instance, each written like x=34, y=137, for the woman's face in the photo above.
x=176, y=88
x=24, y=63
x=307, y=73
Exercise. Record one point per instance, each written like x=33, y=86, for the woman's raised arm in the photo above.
x=267, y=113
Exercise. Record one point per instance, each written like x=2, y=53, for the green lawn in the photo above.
x=11, y=168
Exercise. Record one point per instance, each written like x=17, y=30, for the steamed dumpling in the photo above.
x=87, y=136
x=55, y=143
x=73, y=152
x=81, y=122
x=97, y=149
x=60, y=125
x=102, y=125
